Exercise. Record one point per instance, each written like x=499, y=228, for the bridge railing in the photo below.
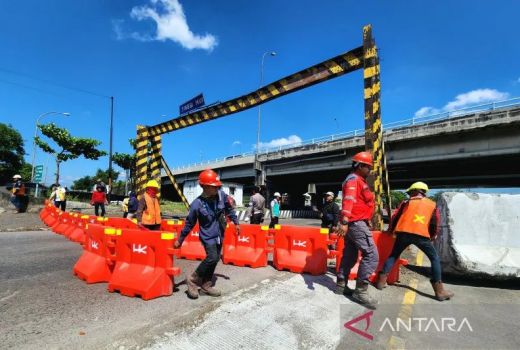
x=360, y=132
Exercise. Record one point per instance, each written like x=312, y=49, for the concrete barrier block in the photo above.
x=480, y=234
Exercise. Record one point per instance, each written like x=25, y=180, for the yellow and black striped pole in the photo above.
x=373, y=125
x=174, y=183
x=142, y=144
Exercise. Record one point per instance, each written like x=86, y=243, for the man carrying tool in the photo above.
x=416, y=222
x=209, y=210
x=149, y=210
x=357, y=210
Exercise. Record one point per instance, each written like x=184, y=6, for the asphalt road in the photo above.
x=42, y=305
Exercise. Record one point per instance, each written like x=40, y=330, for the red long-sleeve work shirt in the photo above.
x=358, y=200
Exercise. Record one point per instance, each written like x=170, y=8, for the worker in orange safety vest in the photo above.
x=416, y=222
x=149, y=210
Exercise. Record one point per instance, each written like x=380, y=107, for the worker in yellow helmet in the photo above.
x=149, y=210
x=416, y=222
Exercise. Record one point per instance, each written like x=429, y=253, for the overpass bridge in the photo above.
x=475, y=147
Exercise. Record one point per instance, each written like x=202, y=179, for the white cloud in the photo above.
x=426, y=111
x=293, y=140
x=518, y=80
x=466, y=99
x=171, y=24
x=235, y=143
x=475, y=97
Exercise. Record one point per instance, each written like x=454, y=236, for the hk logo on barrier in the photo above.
x=243, y=239
x=94, y=245
x=302, y=244
x=139, y=249
x=196, y=234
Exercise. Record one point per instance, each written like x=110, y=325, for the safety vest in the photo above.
x=60, y=194
x=20, y=191
x=152, y=213
x=416, y=217
x=125, y=204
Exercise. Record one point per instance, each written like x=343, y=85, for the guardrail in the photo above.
x=360, y=132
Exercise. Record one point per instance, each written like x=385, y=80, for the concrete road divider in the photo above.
x=480, y=234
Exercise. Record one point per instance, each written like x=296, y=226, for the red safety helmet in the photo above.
x=210, y=178
x=363, y=157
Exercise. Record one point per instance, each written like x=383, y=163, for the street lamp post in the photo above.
x=271, y=53
x=34, y=141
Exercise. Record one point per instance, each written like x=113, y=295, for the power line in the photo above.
x=50, y=83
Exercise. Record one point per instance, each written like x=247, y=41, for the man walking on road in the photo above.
x=416, y=222
x=256, y=206
x=209, y=210
x=357, y=210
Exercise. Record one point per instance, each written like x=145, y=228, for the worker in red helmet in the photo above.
x=209, y=210
x=357, y=210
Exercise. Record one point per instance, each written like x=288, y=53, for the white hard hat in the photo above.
x=277, y=194
x=330, y=193
x=17, y=176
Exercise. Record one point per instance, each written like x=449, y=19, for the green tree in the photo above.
x=11, y=152
x=70, y=147
x=26, y=171
x=397, y=198
x=86, y=183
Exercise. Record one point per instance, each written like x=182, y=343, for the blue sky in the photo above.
x=154, y=55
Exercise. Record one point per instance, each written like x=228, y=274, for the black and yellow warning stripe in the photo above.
x=174, y=183
x=142, y=143
x=373, y=126
x=332, y=68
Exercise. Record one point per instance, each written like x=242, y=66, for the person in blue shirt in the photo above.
x=275, y=210
x=209, y=210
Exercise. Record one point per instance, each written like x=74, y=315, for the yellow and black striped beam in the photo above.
x=174, y=183
x=142, y=145
x=373, y=126
x=332, y=68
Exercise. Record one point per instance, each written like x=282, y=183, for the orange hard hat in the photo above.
x=210, y=178
x=363, y=157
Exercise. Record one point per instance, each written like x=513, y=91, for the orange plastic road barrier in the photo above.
x=121, y=223
x=301, y=249
x=53, y=217
x=45, y=210
x=74, y=218
x=96, y=263
x=144, y=264
x=384, y=243
x=63, y=223
x=248, y=249
x=78, y=233
x=192, y=248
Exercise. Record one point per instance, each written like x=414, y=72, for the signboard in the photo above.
x=194, y=103
x=38, y=173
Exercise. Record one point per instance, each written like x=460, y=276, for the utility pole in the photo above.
x=110, y=151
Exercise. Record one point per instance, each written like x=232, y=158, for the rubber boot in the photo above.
x=207, y=288
x=381, y=281
x=193, y=282
x=361, y=295
x=440, y=293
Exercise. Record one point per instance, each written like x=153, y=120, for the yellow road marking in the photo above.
x=396, y=343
